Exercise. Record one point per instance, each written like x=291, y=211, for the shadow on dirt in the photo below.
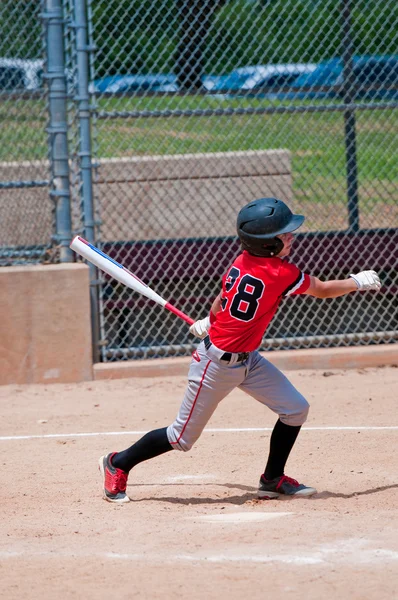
x=325, y=495
x=248, y=497
x=219, y=499
x=235, y=500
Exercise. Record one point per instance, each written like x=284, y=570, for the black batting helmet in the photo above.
x=261, y=221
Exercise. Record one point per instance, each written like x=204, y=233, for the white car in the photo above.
x=262, y=77
x=21, y=74
x=258, y=78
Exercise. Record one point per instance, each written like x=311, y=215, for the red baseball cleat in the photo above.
x=115, y=480
x=282, y=486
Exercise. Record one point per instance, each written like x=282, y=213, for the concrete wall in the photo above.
x=190, y=195
x=150, y=197
x=20, y=207
x=45, y=330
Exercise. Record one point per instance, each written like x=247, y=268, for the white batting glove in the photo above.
x=367, y=280
x=200, y=328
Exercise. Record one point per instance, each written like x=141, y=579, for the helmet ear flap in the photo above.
x=273, y=247
x=265, y=248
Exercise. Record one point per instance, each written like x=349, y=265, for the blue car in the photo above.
x=130, y=84
x=374, y=77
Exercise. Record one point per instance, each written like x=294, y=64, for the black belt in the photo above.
x=227, y=355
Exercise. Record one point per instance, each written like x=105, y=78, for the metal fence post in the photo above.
x=349, y=117
x=83, y=105
x=57, y=130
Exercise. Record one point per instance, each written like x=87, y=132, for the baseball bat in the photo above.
x=123, y=275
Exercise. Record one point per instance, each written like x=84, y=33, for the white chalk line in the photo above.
x=223, y=558
x=177, y=478
x=5, y=438
x=240, y=517
x=164, y=559
x=351, y=551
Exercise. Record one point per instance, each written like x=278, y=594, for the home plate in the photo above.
x=242, y=517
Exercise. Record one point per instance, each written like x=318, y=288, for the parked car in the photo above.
x=232, y=82
x=374, y=77
x=258, y=78
x=20, y=74
x=271, y=77
x=253, y=79
x=127, y=84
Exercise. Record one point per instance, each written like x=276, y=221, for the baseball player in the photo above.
x=227, y=357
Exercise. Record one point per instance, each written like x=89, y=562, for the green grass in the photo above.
x=316, y=141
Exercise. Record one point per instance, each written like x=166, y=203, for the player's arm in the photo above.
x=201, y=327
x=215, y=307
x=365, y=280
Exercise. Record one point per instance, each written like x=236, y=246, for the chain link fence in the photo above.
x=179, y=112
x=26, y=211
x=201, y=78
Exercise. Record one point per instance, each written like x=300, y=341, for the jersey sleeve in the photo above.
x=295, y=281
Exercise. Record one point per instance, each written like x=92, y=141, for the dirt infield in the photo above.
x=195, y=528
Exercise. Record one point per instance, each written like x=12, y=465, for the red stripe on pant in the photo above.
x=193, y=405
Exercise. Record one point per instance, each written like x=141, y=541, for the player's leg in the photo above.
x=209, y=382
x=116, y=466
x=268, y=385
x=154, y=443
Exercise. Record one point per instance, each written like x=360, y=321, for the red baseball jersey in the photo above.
x=252, y=290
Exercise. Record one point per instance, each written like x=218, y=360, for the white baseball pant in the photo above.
x=211, y=379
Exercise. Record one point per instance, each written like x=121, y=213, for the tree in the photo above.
x=195, y=19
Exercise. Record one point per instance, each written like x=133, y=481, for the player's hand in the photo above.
x=200, y=328
x=367, y=280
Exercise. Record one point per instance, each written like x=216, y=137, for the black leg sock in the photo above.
x=282, y=441
x=150, y=445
